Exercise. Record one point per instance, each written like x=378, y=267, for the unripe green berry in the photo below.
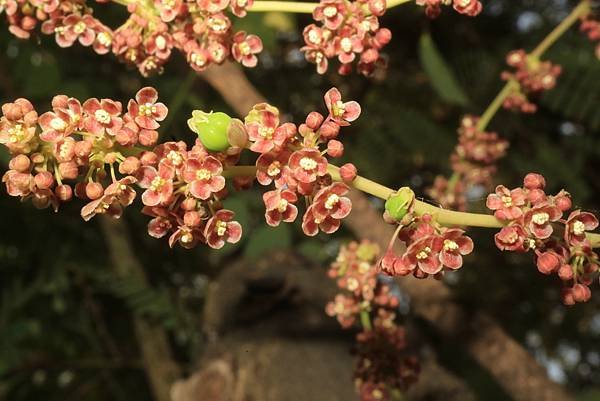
x=400, y=204
x=211, y=129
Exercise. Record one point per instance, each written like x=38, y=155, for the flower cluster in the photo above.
x=348, y=30
x=433, y=8
x=590, y=25
x=535, y=221
x=382, y=369
x=70, y=20
x=473, y=163
x=198, y=28
x=80, y=149
x=69, y=150
x=530, y=77
x=430, y=249
x=183, y=193
x=291, y=159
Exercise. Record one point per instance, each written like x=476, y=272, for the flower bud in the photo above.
x=148, y=137
x=130, y=165
x=37, y=158
x=534, y=181
x=68, y=170
x=20, y=163
x=192, y=219
x=83, y=149
x=567, y=296
x=148, y=158
x=237, y=134
x=565, y=272
x=581, y=293
x=126, y=136
x=335, y=148
x=548, y=262
x=43, y=180
x=64, y=193
x=536, y=196
x=399, y=204
x=80, y=190
x=94, y=190
x=383, y=37
x=189, y=204
x=329, y=130
x=314, y=120
x=348, y=172
x=563, y=201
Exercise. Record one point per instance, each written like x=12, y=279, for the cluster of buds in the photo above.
x=350, y=31
x=430, y=249
x=291, y=158
x=531, y=77
x=590, y=25
x=69, y=21
x=535, y=221
x=473, y=163
x=71, y=149
x=433, y=8
x=198, y=28
x=382, y=370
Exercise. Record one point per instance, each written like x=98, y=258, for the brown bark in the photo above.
x=161, y=369
x=505, y=359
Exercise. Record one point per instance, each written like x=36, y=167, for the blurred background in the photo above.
x=69, y=325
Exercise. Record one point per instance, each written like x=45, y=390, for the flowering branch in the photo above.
x=302, y=7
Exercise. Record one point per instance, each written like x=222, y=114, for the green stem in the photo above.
x=549, y=40
x=443, y=216
x=365, y=320
x=582, y=9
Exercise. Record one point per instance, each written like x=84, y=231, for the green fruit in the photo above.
x=211, y=129
x=399, y=205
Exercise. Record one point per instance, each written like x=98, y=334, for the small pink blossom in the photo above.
x=576, y=226
x=145, y=110
x=245, y=48
x=506, y=203
x=341, y=112
x=280, y=207
x=221, y=229
x=204, y=176
x=158, y=184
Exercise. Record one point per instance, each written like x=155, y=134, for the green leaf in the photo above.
x=442, y=77
x=266, y=239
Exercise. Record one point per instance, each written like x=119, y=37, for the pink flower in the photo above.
x=76, y=28
x=220, y=229
x=540, y=218
x=577, y=224
x=344, y=308
x=511, y=238
x=270, y=166
x=162, y=222
x=330, y=12
x=186, y=236
x=506, y=203
x=102, y=115
x=121, y=190
x=103, y=205
x=245, y=48
x=158, y=184
x=145, y=111
x=341, y=112
x=280, y=207
x=204, y=176
x=265, y=133
x=468, y=7
x=330, y=201
x=168, y=9
x=239, y=7
x=307, y=164
x=454, y=245
x=212, y=6
x=548, y=262
x=425, y=254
